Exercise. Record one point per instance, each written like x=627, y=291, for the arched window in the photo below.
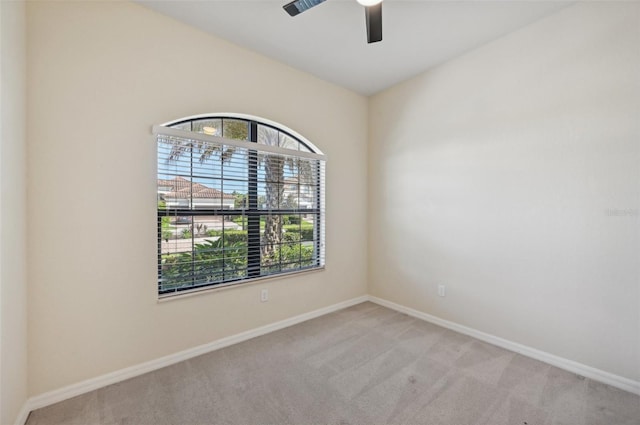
x=239, y=199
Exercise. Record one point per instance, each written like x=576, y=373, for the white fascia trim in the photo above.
x=611, y=379
x=83, y=387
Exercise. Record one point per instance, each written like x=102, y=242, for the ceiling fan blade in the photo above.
x=298, y=6
x=373, y=15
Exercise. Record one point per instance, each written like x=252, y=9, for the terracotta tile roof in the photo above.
x=182, y=188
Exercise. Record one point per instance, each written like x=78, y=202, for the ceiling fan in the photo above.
x=372, y=13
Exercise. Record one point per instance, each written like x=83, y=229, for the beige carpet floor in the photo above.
x=362, y=365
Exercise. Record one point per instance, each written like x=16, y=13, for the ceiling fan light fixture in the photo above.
x=372, y=13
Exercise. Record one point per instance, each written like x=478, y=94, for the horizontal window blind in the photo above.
x=234, y=210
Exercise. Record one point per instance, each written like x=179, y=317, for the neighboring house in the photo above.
x=303, y=195
x=178, y=192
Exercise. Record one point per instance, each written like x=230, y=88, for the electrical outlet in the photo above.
x=441, y=290
x=264, y=295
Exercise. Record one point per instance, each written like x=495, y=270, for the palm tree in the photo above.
x=274, y=166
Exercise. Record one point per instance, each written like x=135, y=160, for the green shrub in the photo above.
x=307, y=234
x=235, y=236
x=295, y=252
x=213, y=261
x=210, y=262
x=291, y=219
x=291, y=237
x=305, y=230
x=230, y=236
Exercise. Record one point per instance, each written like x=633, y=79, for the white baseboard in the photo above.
x=566, y=364
x=23, y=415
x=83, y=387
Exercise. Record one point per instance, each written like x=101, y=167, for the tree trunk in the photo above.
x=274, y=172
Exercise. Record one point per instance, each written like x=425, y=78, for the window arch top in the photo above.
x=238, y=127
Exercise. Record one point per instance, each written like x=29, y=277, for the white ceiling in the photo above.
x=329, y=40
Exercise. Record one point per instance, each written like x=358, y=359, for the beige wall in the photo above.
x=510, y=175
x=100, y=74
x=13, y=279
